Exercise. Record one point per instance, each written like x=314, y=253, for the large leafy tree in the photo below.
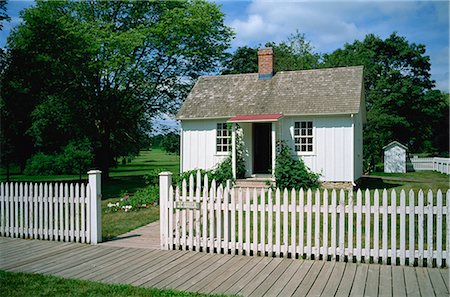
x=401, y=104
x=295, y=53
x=99, y=70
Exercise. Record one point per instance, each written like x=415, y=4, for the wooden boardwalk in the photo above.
x=212, y=273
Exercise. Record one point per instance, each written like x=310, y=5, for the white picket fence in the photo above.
x=441, y=165
x=52, y=211
x=397, y=228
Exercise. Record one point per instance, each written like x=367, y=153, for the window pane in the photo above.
x=303, y=132
x=303, y=124
x=303, y=148
x=310, y=148
x=303, y=140
x=297, y=125
x=219, y=148
x=309, y=140
x=297, y=148
x=297, y=140
x=309, y=124
x=296, y=132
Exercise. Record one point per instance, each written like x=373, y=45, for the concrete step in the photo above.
x=253, y=183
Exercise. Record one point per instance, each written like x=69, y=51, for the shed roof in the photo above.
x=394, y=143
x=304, y=92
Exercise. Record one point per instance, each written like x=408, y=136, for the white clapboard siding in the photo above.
x=374, y=226
x=48, y=211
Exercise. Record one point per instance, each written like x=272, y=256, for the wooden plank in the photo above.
x=325, y=226
x=277, y=223
x=411, y=284
x=376, y=227
x=301, y=225
x=297, y=278
x=439, y=228
x=359, y=282
x=183, y=240
x=350, y=227
x=259, y=278
x=358, y=225
x=204, y=214
x=16, y=209
x=215, y=272
x=367, y=225
x=373, y=277
x=347, y=280
x=446, y=277
x=159, y=280
x=21, y=211
x=111, y=269
x=239, y=274
x=420, y=228
x=271, y=278
x=430, y=229
x=308, y=246
x=189, y=271
x=309, y=279
x=263, y=222
x=293, y=223
x=240, y=222
x=196, y=280
x=317, y=226
x=161, y=267
x=226, y=224
x=385, y=285
x=332, y=285
x=402, y=211
x=247, y=222
x=255, y=222
x=398, y=282
x=439, y=286
x=2, y=209
x=233, y=221
x=191, y=214
x=411, y=216
x=151, y=261
x=321, y=280
x=244, y=281
x=222, y=276
x=285, y=208
x=284, y=278
x=218, y=205
x=333, y=224
x=423, y=279
x=197, y=213
x=341, y=225
x=270, y=224
x=384, y=239
x=393, y=228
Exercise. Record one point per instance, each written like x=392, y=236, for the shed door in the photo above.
x=262, y=148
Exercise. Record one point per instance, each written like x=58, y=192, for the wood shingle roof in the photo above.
x=304, y=92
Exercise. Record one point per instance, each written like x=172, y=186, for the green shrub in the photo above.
x=152, y=177
x=171, y=143
x=291, y=173
x=144, y=198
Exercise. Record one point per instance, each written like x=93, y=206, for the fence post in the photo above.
x=165, y=181
x=96, y=206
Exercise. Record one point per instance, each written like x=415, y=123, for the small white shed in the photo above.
x=395, y=155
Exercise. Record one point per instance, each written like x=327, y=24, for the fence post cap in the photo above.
x=165, y=173
x=94, y=172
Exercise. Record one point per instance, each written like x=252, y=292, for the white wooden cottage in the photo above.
x=395, y=155
x=318, y=113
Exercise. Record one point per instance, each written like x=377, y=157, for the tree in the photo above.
x=400, y=102
x=170, y=143
x=101, y=69
x=295, y=53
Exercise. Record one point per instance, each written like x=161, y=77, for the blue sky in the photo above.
x=328, y=25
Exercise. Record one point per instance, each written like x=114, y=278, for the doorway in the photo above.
x=262, y=148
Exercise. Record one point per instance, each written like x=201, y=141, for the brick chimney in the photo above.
x=265, y=63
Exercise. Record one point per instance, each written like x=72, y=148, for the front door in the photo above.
x=262, y=148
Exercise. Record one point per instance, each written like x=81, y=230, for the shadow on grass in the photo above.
x=373, y=183
x=114, y=185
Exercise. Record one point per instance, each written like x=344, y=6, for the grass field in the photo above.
x=411, y=180
x=27, y=284
x=123, y=178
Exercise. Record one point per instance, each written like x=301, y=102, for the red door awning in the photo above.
x=256, y=118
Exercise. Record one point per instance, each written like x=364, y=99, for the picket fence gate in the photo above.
x=325, y=225
x=52, y=211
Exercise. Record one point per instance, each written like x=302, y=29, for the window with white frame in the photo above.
x=303, y=136
x=223, y=138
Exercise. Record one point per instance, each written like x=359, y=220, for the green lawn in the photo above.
x=27, y=284
x=123, y=178
x=411, y=180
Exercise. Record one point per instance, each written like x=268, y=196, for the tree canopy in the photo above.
x=295, y=53
x=400, y=101
x=97, y=71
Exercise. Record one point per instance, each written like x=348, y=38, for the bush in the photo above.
x=291, y=173
x=152, y=177
x=74, y=159
x=144, y=198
